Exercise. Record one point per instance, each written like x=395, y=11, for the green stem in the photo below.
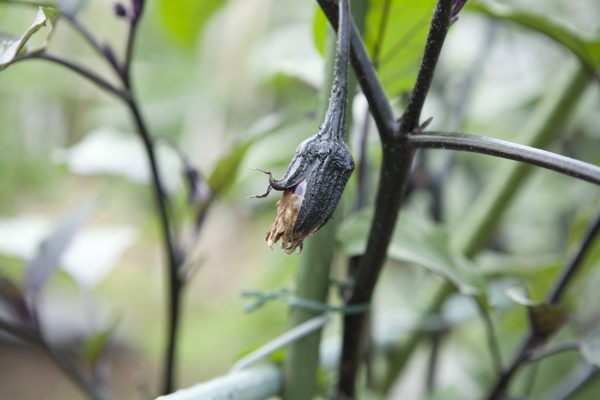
x=312, y=283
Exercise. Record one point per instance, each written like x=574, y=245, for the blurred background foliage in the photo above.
x=213, y=74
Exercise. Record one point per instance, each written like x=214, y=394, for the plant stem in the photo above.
x=366, y=75
x=126, y=95
x=531, y=341
x=508, y=150
x=35, y=338
x=551, y=351
x=396, y=163
x=174, y=281
x=78, y=69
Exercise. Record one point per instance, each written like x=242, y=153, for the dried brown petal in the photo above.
x=288, y=208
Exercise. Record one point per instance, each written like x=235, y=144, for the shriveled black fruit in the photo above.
x=315, y=178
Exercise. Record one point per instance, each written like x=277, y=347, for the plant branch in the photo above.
x=433, y=47
x=508, y=150
x=366, y=75
x=84, y=32
x=174, y=260
x=396, y=163
x=78, y=69
x=551, y=351
x=35, y=338
x=531, y=341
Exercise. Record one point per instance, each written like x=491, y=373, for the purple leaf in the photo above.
x=51, y=250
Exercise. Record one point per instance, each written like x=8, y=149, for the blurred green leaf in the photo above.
x=400, y=45
x=225, y=172
x=10, y=49
x=545, y=318
x=95, y=345
x=320, y=26
x=184, y=19
x=584, y=45
x=402, y=42
x=590, y=350
x=415, y=241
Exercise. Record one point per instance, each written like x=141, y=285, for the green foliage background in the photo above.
x=237, y=83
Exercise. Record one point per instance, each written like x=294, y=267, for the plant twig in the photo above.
x=551, y=351
x=531, y=341
x=78, y=69
x=433, y=47
x=397, y=159
x=583, y=377
x=83, y=31
x=508, y=150
x=35, y=338
x=366, y=75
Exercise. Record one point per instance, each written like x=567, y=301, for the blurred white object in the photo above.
x=106, y=150
x=89, y=259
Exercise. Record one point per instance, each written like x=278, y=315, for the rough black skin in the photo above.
x=324, y=159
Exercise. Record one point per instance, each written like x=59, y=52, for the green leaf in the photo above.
x=545, y=318
x=184, y=19
x=95, y=344
x=320, y=26
x=585, y=46
x=418, y=242
x=590, y=350
x=403, y=40
x=10, y=49
x=400, y=45
x=225, y=172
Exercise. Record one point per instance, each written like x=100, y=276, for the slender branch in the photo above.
x=397, y=159
x=582, y=378
x=78, y=69
x=175, y=281
x=84, y=32
x=508, y=150
x=531, y=341
x=432, y=362
x=492, y=337
x=551, y=351
x=134, y=18
x=35, y=338
x=366, y=75
x=433, y=47
x=126, y=95
x=576, y=262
